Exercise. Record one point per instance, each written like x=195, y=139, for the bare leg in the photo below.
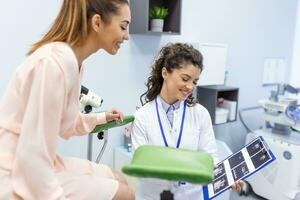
x=119, y=177
x=124, y=193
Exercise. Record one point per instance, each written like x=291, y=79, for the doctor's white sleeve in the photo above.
x=138, y=132
x=207, y=140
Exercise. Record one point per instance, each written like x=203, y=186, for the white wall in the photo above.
x=295, y=70
x=22, y=23
x=252, y=29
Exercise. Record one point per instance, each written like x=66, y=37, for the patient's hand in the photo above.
x=114, y=114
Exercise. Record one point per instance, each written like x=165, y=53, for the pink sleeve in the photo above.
x=85, y=123
x=33, y=173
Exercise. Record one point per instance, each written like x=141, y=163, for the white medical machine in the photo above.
x=281, y=179
x=89, y=100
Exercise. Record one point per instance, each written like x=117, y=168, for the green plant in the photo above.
x=158, y=12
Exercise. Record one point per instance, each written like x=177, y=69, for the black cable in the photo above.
x=242, y=119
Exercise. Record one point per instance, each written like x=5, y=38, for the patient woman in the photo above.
x=172, y=118
x=41, y=104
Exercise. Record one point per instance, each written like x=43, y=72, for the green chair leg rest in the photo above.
x=171, y=164
x=113, y=124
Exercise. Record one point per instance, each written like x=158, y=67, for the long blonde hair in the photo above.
x=71, y=24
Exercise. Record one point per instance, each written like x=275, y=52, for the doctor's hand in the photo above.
x=238, y=185
x=114, y=114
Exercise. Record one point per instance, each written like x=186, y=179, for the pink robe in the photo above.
x=40, y=105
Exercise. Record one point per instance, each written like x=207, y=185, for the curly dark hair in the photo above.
x=172, y=56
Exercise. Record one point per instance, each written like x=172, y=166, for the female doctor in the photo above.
x=171, y=117
x=41, y=104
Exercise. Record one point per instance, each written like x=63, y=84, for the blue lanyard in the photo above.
x=161, y=127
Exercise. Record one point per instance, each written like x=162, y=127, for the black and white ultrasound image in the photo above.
x=255, y=147
x=260, y=158
x=240, y=171
x=236, y=159
x=219, y=171
x=220, y=183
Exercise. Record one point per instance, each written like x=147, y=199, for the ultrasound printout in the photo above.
x=250, y=159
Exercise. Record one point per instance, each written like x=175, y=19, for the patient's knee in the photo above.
x=119, y=177
x=124, y=193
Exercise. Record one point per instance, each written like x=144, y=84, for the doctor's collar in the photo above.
x=167, y=106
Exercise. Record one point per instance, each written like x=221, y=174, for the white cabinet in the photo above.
x=123, y=157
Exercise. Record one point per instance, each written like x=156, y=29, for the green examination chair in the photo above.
x=171, y=164
x=100, y=130
x=112, y=124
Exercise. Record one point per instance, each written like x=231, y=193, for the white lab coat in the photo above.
x=197, y=135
